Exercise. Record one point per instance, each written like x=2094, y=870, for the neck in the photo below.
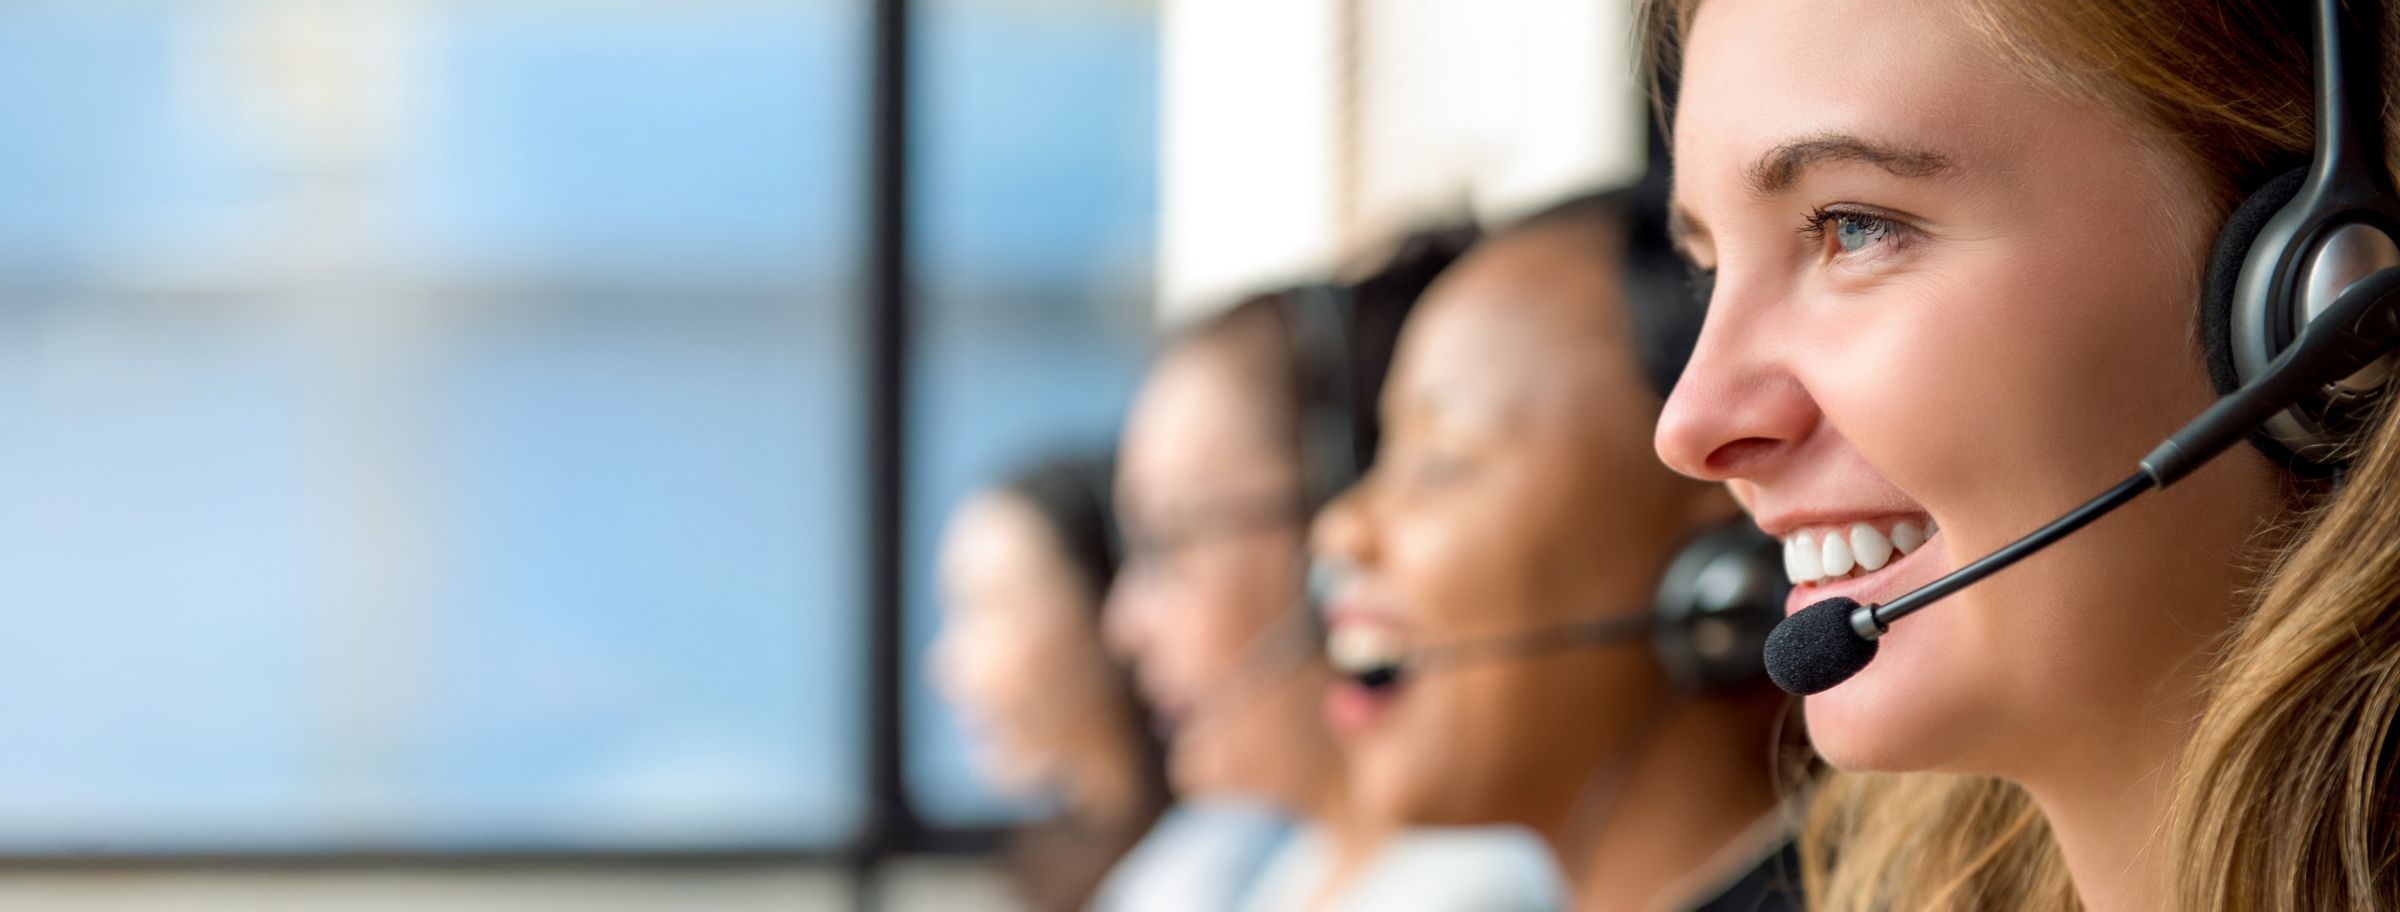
x=1351, y=842
x=1700, y=783
x=1106, y=790
x=2105, y=780
x=2105, y=810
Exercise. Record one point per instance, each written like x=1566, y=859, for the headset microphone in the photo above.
x=1706, y=623
x=1828, y=642
x=1382, y=673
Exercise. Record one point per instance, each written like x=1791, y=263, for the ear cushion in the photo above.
x=2225, y=271
x=1718, y=599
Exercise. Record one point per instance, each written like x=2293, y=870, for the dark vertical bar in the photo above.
x=890, y=822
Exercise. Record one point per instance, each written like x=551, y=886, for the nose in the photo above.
x=1344, y=533
x=1738, y=411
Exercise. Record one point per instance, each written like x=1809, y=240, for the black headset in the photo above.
x=2303, y=236
x=1719, y=598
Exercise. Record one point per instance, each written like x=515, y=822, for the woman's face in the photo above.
x=1204, y=608
x=1515, y=491
x=1948, y=298
x=1019, y=649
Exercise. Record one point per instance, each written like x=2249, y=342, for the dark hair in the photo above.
x=1072, y=496
x=1664, y=302
x=1324, y=349
x=1059, y=864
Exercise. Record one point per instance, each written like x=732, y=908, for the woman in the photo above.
x=1241, y=430
x=1955, y=251
x=1515, y=493
x=1024, y=568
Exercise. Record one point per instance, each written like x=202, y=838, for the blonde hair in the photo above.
x=2283, y=798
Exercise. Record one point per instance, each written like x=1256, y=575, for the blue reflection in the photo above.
x=482, y=477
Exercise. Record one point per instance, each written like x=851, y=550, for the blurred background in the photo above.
x=490, y=454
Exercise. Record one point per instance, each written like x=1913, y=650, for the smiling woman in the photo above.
x=1515, y=497
x=1983, y=240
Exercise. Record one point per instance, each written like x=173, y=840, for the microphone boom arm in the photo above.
x=2361, y=326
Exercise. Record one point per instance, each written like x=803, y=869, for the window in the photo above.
x=430, y=426
x=1035, y=181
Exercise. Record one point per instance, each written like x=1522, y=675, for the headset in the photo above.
x=2291, y=247
x=1720, y=598
x=2299, y=316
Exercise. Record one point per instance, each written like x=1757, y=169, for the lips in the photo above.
x=1358, y=641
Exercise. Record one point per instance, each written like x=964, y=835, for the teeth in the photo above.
x=1796, y=560
x=1907, y=537
x=1800, y=561
x=1870, y=547
x=1822, y=554
x=1355, y=648
x=1837, y=554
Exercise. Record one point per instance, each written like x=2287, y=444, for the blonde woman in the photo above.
x=1956, y=250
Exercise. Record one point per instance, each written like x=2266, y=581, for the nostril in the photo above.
x=1739, y=457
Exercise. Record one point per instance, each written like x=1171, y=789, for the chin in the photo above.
x=1917, y=707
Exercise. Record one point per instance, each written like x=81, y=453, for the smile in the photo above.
x=1829, y=553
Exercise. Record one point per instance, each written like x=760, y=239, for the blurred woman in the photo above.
x=1024, y=571
x=1966, y=274
x=1516, y=494
x=1244, y=427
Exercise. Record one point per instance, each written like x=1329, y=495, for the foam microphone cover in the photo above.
x=1815, y=649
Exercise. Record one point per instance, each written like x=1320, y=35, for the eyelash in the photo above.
x=1814, y=226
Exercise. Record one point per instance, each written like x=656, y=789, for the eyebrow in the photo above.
x=1781, y=166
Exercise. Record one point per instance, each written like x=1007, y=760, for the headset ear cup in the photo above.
x=1720, y=597
x=2225, y=260
x=2218, y=329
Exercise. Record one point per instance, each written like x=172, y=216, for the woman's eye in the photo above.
x=1856, y=232
x=1851, y=231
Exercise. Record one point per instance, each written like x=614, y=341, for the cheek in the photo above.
x=1007, y=670
x=1242, y=596
x=2030, y=386
x=1451, y=578
x=1487, y=560
x=2020, y=393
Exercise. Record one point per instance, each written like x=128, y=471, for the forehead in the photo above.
x=993, y=532
x=1758, y=74
x=1525, y=315
x=1195, y=422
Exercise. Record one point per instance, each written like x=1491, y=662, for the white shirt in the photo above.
x=1426, y=869
x=1199, y=857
